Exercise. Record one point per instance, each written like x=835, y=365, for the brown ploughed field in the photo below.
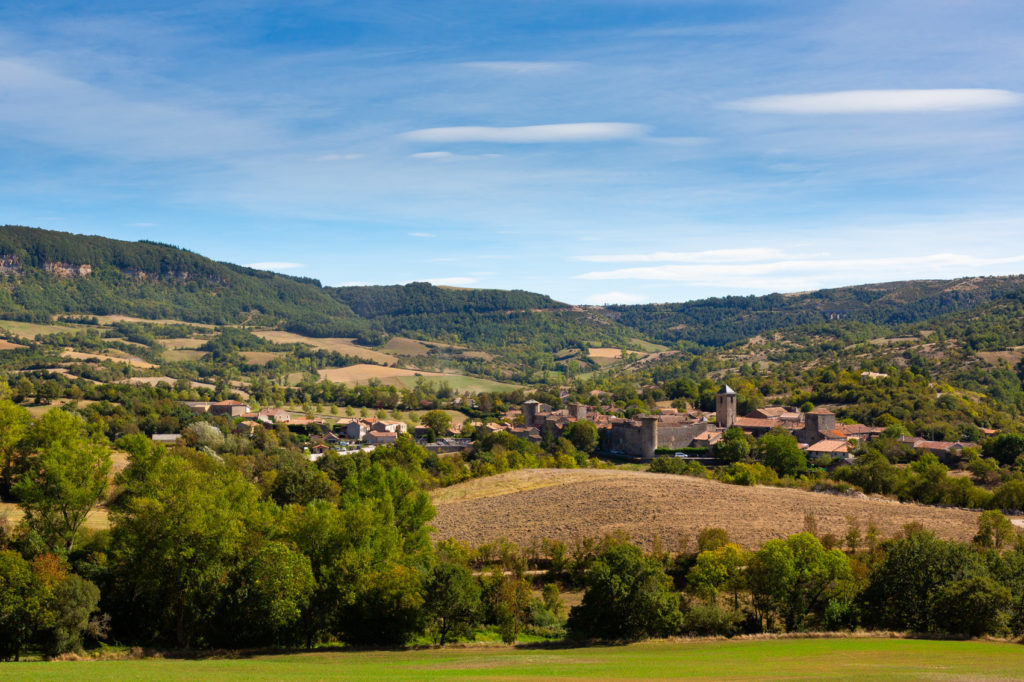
x=570, y=504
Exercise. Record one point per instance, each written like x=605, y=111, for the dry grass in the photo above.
x=571, y=504
x=363, y=373
x=182, y=355
x=605, y=353
x=98, y=519
x=399, y=345
x=113, y=355
x=30, y=330
x=344, y=346
x=182, y=343
x=1011, y=357
x=255, y=357
x=7, y=345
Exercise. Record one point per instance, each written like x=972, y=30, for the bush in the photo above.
x=710, y=620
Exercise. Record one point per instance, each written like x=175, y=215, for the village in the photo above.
x=667, y=430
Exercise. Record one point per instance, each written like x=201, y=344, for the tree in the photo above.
x=173, y=547
x=733, y=446
x=969, y=606
x=1006, y=447
x=21, y=603
x=780, y=451
x=793, y=578
x=994, y=530
x=583, y=435
x=437, y=421
x=14, y=424
x=717, y=569
x=63, y=481
x=452, y=602
x=628, y=596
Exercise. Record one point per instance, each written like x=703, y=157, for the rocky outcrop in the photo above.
x=61, y=269
x=10, y=265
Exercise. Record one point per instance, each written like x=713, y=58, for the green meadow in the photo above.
x=855, y=658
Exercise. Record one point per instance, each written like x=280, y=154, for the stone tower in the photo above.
x=725, y=407
x=648, y=435
x=578, y=410
x=530, y=412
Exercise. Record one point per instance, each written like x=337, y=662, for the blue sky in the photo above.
x=595, y=151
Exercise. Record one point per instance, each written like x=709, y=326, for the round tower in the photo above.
x=530, y=413
x=648, y=435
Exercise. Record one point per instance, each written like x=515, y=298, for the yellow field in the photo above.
x=183, y=355
x=255, y=357
x=98, y=519
x=113, y=355
x=182, y=343
x=362, y=373
x=344, y=346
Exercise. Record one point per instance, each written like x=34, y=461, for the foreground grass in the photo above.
x=859, y=658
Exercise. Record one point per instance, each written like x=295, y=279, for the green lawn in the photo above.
x=881, y=659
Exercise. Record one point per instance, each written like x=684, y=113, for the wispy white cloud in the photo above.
x=800, y=273
x=453, y=281
x=339, y=157
x=881, y=101
x=557, y=132
x=143, y=224
x=275, y=265
x=422, y=235
x=734, y=255
x=615, y=297
x=450, y=156
x=520, y=67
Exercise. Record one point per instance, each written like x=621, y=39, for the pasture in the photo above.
x=862, y=658
x=345, y=346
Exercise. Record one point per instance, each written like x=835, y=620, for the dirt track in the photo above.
x=570, y=504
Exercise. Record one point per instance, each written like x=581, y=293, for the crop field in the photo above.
x=113, y=356
x=344, y=346
x=862, y=658
x=407, y=378
x=399, y=345
x=256, y=357
x=183, y=343
x=570, y=504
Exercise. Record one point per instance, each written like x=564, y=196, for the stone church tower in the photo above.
x=725, y=407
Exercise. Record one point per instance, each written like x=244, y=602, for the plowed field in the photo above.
x=571, y=504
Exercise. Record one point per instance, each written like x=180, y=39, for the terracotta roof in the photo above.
x=829, y=446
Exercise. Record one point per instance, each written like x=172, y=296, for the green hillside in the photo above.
x=719, y=321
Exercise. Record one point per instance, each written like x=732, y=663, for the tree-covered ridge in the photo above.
x=157, y=281
x=718, y=321
x=417, y=298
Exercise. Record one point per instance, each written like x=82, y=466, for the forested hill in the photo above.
x=47, y=273
x=718, y=321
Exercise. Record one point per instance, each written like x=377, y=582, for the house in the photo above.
x=246, y=428
x=274, y=415
x=390, y=425
x=381, y=438
x=166, y=438
x=230, y=408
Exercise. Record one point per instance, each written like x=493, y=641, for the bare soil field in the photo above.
x=570, y=504
x=344, y=346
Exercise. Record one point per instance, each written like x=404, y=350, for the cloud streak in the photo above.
x=538, y=134
x=520, y=67
x=275, y=265
x=802, y=273
x=881, y=101
x=734, y=255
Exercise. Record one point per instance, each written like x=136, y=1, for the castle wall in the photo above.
x=680, y=436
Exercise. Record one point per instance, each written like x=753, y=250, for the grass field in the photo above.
x=407, y=378
x=792, y=659
x=29, y=330
x=399, y=345
x=343, y=346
